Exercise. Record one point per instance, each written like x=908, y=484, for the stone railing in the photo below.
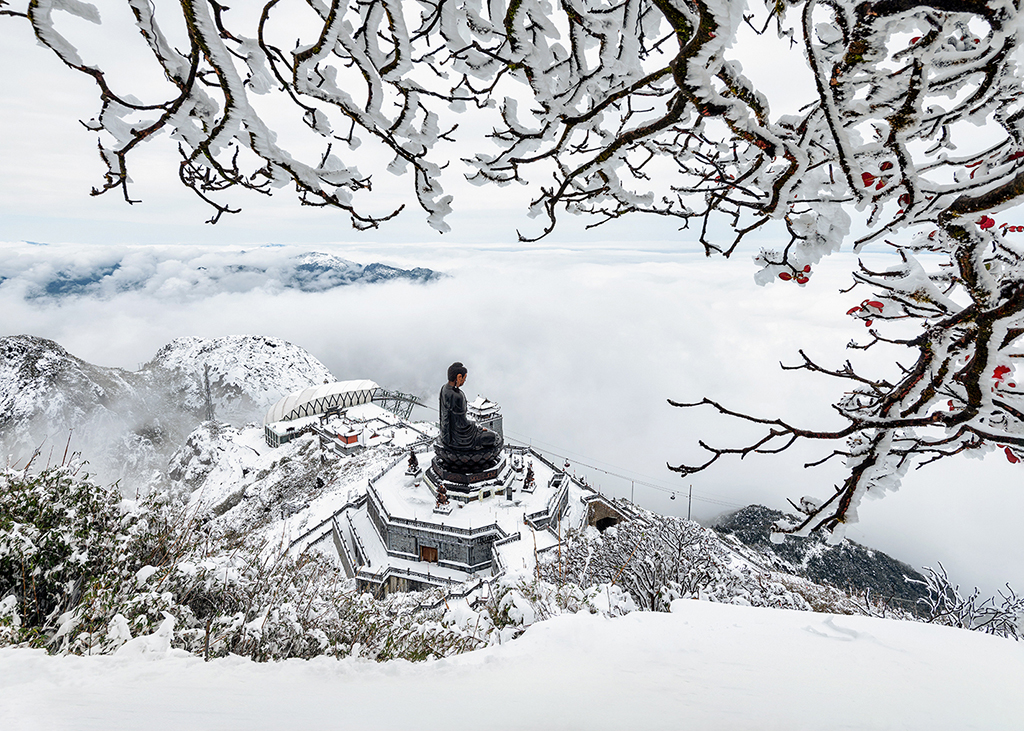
x=554, y=510
x=342, y=547
x=358, y=502
x=496, y=557
x=434, y=527
x=380, y=578
x=359, y=543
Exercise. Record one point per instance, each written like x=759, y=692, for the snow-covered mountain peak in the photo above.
x=127, y=424
x=321, y=258
x=247, y=373
x=40, y=380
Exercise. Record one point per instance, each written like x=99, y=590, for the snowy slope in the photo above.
x=39, y=378
x=705, y=666
x=847, y=565
x=247, y=373
x=46, y=394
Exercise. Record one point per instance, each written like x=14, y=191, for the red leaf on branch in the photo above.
x=854, y=309
x=807, y=268
x=1000, y=371
x=874, y=303
x=886, y=165
x=800, y=279
x=867, y=323
x=868, y=179
x=986, y=222
x=1013, y=458
x=785, y=276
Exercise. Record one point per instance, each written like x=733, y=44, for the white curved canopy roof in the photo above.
x=317, y=399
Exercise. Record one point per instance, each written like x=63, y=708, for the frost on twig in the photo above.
x=1003, y=617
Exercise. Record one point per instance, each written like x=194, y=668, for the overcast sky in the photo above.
x=580, y=338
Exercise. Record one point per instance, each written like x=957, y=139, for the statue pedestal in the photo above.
x=469, y=486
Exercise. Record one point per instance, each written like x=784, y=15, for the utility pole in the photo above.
x=631, y=492
x=689, y=502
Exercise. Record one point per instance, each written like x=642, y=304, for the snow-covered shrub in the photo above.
x=502, y=610
x=83, y=572
x=944, y=604
x=59, y=532
x=656, y=559
x=746, y=585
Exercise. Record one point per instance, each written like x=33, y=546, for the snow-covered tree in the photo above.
x=911, y=140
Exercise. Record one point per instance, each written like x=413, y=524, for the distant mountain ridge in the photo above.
x=103, y=272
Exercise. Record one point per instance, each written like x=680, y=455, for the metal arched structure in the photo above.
x=340, y=395
x=398, y=403
x=319, y=399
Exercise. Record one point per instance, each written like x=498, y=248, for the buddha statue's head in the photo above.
x=457, y=374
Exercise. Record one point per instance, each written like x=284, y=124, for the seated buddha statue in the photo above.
x=462, y=446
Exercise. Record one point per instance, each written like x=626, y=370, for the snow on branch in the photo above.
x=636, y=107
x=946, y=605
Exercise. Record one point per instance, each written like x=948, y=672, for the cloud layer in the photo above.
x=582, y=349
x=40, y=271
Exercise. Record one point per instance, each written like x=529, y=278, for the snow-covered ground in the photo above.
x=705, y=666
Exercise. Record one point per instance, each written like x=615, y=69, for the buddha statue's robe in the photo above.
x=458, y=433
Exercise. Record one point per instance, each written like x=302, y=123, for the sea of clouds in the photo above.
x=581, y=347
